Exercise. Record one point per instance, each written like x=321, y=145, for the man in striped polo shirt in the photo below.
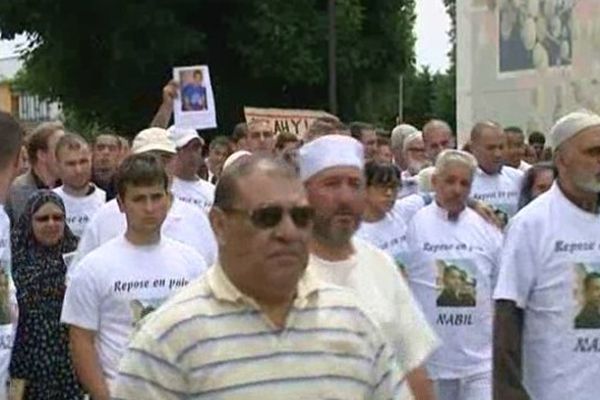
x=258, y=325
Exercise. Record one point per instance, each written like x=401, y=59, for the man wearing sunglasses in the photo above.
x=332, y=170
x=258, y=324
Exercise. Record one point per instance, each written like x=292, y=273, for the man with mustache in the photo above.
x=258, y=324
x=540, y=351
x=332, y=170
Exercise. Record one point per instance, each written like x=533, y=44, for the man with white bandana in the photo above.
x=331, y=168
x=549, y=262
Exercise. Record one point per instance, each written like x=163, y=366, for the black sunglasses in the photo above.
x=270, y=216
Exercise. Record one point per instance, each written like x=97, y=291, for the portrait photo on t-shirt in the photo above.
x=587, y=296
x=4, y=296
x=456, y=283
x=193, y=90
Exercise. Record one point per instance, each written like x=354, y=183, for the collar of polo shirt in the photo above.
x=225, y=290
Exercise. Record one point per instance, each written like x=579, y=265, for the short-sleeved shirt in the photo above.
x=198, y=193
x=384, y=292
x=212, y=341
x=389, y=234
x=501, y=190
x=551, y=253
x=451, y=269
x=119, y=283
x=7, y=302
x=184, y=223
x=80, y=210
x=195, y=96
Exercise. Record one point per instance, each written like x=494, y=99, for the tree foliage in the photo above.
x=106, y=60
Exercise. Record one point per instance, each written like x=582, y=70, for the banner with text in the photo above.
x=285, y=120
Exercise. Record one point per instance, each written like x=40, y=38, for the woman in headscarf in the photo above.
x=40, y=366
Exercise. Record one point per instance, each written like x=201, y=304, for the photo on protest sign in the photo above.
x=457, y=283
x=587, y=296
x=194, y=107
x=534, y=34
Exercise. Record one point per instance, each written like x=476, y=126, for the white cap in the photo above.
x=153, y=139
x=327, y=152
x=234, y=157
x=399, y=133
x=572, y=124
x=182, y=136
x=417, y=135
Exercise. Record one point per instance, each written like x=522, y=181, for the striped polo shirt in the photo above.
x=212, y=342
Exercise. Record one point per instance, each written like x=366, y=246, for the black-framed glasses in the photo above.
x=270, y=216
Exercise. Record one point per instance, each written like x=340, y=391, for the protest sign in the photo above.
x=195, y=105
x=285, y=120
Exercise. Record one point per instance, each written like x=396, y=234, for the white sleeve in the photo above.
x=517, y=267
x=89, y=241
x=81, y=306
x=208, y=245
x=408, y=206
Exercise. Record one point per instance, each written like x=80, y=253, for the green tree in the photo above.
x=106, y=60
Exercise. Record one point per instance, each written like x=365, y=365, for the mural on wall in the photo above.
x=526, y=62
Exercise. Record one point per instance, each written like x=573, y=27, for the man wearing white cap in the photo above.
x=187, y=185
x=332, y=170
x=551, y=255
x=184, y=222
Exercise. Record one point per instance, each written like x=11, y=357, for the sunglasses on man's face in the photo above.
x=270, y=216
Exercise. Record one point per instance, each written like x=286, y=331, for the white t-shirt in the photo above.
x=6, y=330
x=383, y=290
x=524, y=166
x=410, y=185
x=389, y=233
x=119, y=283
x=199, y=193
x=461, y=313
x=501, y=190
x=80, y=210
x=551, y=246
x=184, y=223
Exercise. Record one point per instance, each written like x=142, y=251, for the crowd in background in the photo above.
x=350, y=263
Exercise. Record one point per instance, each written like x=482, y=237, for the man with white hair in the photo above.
x=331, y=168
x=399, y=134
x=183, y=222
x=453, y=244
x=495, y=183
x=550, y=250
x=437, y=137
x=187, y=185
x=413, y=151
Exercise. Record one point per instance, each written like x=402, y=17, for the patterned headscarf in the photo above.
x=26, y=250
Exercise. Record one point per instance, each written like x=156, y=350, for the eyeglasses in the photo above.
x=46, y=218
x=271, y=216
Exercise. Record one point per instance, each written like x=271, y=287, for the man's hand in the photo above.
x=163, y=115
x=170, y=92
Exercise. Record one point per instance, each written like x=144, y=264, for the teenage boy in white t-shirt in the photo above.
x=125, y=279
x=547, y=330
x=11, y=137
x=187, y=185
x=184, y=222
x=494, y=183
x=451, y=267
x=81, y=197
